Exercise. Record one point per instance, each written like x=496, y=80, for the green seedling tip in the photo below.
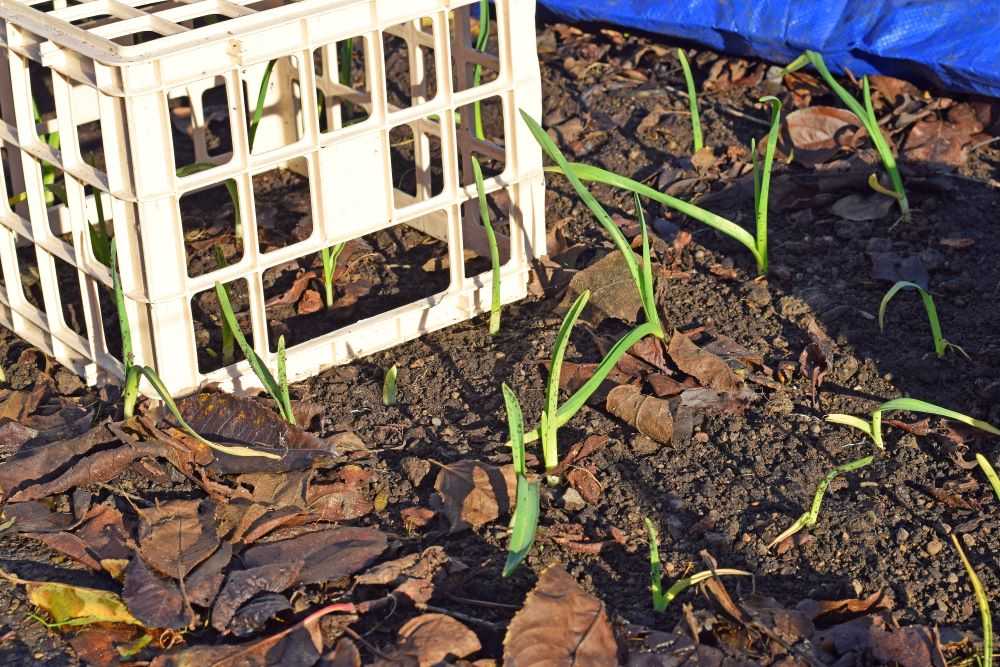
x=940, y=344
x=491, y=238
x=330, y=256
x=524, y=523
x=277, y=391
x=762, y=183
x=692, y=100
x=389, y=386
x=589, y=173
x=990, y=472
x=515, y=422
x=984, y=604
x=550, y=450
x=809, y=518
x=660, y=601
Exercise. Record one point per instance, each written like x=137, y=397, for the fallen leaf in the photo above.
x=299, y=646
x=226, y=418
x=816, y=359
x=204, y=582
x=327, y=554
x=295, y=290
x=430, y=638
x=612, y=292
x=560, y=624
x=585, y=482
x=651, y=416
x=859, y=208
x=57, y=467
x=471, y=493
x=311, y=302
x=825, y=613
x=176, y=535
x=818, y=133
x=937, y=141
x=664, y=386
x=344, y=654
x=920, y=428
x=417, y=517
x=75, y=605
x=242, y=585
x=892, y=267
x=254, y=615
x=414, y=575
x=155, y=601
x=706, y=367
x=892, y=88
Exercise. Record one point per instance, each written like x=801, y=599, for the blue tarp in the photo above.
x=948, y=44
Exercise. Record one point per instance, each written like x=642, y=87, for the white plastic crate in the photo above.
x=121, y=81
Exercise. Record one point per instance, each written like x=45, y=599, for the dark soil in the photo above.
x=742, y=479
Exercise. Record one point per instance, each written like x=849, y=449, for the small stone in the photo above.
x=436, y=421
x=815, y=429
x=416, y=469
x=858, y=587
x=573, y=501
x=665, y=229
x=934, y=547
x=759, y=295
x=952, y=578
x=644, y=445
x=969, y=540
x=68, y=383
x=902, y=535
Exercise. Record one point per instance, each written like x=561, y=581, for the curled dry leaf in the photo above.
x=709, y=369
x=242, y=585
x=816, y=359
x=415, y=575
x=651, y=416
x=560, y=624
x=59, y=466
x=226, y=418
x=471, y=493
x=300, y=646
x=430, y=638
x=818, y=133
x=204, y=582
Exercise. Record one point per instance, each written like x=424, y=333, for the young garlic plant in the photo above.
x=866, y=114
x=940, y=344
x=524, y=522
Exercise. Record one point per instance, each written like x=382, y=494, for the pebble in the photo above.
x=573, y=501
x=759, y=295
x=902, y=535
x=644, y=445
x=436, y=421
x=934, y=547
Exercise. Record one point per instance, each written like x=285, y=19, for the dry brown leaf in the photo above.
x=817, y=134
x=649, y=415
x=859, y=208
x=816, y=359
x=560, y=624
x=937, y=141
x=176, y=535
x=471, y=493
x=155, y=601
x=704, y=366
x=327, y=554
x=612, y=292
x=429, y=639
x=301, y=644
x=294, y=292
